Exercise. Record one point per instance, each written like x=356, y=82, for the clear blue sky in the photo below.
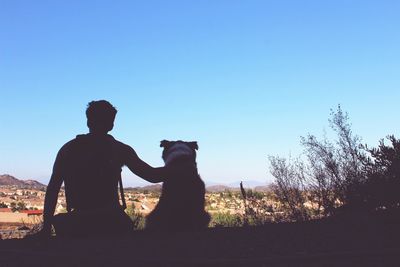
x=243, y=78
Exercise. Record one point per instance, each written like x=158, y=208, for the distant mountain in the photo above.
x=211, y=187
x=151, y=188
x=8, y=180
x=220, y=188
x=235, y=186
x=34, y=183
x=247, y=184
x=263, y=188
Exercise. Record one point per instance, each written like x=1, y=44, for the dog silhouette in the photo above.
x=181, y=204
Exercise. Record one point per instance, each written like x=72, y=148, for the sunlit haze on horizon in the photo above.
x=245, y=79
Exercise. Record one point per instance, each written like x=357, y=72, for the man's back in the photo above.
x=91, y=165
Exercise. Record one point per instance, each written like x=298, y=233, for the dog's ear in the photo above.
x=193, y=145
x=165, y=143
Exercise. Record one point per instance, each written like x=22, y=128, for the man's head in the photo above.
x=100, y=116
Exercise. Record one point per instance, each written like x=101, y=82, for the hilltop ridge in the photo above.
x=8, y=180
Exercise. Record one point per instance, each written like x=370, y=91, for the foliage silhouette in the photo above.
x=382, y=187
x=329, y=173
x=17, y=206
x=226, y=219
x=289, y=187
x=256, y=209
x=138, y=219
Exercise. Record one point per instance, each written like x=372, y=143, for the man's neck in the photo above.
x=95, y=133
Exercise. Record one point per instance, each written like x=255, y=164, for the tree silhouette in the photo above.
x=382, y=189
x=329, y=173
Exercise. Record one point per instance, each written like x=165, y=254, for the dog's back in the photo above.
x=181, y=205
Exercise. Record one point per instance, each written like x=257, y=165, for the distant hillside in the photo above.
x=235, y=186
x=220, y=188
x=33, y=183
x=264, y=188
x=214, y=188
x=8, y=180
x=150, y=188
x=247, y=184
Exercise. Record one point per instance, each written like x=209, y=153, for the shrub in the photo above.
x=257, y=209
x=289, y=187
x=330, y=173
x=137, y=218
x=225, y=219
x=381, y=190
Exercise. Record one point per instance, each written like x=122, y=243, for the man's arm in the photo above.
x=52, y=191
x=142, y=169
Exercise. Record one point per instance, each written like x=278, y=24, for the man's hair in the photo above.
x=100, y=115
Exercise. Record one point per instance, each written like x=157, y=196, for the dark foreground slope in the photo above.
x=366, y=241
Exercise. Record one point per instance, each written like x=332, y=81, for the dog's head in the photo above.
x=178, y=150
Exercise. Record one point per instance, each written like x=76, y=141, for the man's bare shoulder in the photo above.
x=124, y=148
x=65, y=152
x=67, y=146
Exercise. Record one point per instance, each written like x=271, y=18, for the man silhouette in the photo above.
x=90, y=167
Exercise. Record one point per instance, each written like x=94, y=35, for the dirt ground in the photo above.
x=365, y=241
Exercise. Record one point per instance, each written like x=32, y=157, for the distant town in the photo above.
x=21, y=202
